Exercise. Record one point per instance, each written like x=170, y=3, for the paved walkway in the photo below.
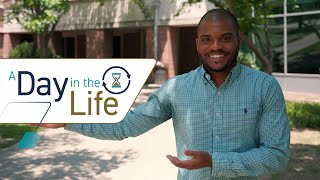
x=298, y=96
x=66, y=155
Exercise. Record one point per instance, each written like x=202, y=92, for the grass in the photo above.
x=305, y=156
x=12, y=133
x=304, y=114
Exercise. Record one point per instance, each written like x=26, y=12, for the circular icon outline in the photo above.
x=104, y=84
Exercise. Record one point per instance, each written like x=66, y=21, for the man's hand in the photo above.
x=200, y=159
x=49, y=125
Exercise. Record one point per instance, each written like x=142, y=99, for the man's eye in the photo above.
x=226, y=38
x=205, y=39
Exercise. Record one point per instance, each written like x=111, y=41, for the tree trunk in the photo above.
x=34, y=45
x=266, y=62
x=44, y=45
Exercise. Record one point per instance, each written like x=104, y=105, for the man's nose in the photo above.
x=216, y=45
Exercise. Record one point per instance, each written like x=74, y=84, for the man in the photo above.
x=230, y=121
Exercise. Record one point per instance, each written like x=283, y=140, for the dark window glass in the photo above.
x=116, y=47
x=275, y=29
x=276, y=6
x=304, y=44
x=26, y=37
x=302, y=5
x=69, y=47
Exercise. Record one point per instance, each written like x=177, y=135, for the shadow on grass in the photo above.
x=46, y=161
x=304, y=164
x=12, y=133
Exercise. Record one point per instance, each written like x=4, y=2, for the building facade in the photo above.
x=295, y=34
x=118, y=29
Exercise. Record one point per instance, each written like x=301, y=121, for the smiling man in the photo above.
x=230, y=121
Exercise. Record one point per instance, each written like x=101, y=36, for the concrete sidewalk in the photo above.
x=299, y=96
x=66, y=155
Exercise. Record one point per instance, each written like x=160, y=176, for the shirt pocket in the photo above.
x=243, y=118
x=248, y=114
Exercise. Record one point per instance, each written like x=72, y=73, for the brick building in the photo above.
x=118, y=29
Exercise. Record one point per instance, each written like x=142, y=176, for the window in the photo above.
x=302, y=5
x=304, y=44
x=275, y=26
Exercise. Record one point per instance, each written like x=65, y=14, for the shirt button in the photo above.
x=219, y=93
x=217, y=137
x=219, y=174
x=218, y=114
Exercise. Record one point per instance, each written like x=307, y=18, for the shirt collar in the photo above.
x=234, y=73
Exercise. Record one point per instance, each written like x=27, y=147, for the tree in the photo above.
x=39, y=17
x=252, y=16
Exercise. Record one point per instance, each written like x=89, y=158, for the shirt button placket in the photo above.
x=218, y=104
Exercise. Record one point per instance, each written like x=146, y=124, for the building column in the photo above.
x=1, y=45
x=99, y=43
x=7, y=43
x=168, y=48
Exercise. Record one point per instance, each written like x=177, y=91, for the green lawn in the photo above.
x=305, y=157
x=304, y=114
x=12, y=133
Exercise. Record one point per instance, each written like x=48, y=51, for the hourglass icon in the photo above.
x=116, y=77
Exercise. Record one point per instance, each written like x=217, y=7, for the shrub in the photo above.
x=246, y=58
x=304, y=114
x=24, y=50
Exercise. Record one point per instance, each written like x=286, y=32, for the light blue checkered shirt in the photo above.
x=243, y=124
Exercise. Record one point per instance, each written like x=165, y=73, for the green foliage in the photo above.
x=12, y=133
x=251, y=13
x=304, y=114
x=143, y=6
x=184, y=4
x=24, y=50
x=38, y=16
x=246, y=58
x=146, y=11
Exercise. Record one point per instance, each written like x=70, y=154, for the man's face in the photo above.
x=217, y=44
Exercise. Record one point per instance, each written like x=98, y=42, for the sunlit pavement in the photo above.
x=66, y=155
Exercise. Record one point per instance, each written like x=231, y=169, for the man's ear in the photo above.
x=197, y=43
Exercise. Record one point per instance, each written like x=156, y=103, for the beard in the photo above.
x=225, y=67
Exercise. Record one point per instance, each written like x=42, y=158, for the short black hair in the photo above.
x=224, y=13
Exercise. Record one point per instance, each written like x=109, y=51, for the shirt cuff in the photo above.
x=220, y=164
x=71, y=127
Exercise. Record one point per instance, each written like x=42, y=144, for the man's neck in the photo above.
x=219, y=77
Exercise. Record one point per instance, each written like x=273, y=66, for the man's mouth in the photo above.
x=216, y=56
